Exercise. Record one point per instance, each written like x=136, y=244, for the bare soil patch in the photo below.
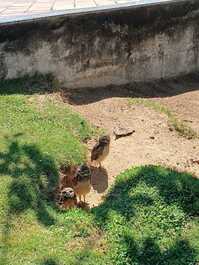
x=152, y=142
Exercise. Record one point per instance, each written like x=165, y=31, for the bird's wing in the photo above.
x=96, y=152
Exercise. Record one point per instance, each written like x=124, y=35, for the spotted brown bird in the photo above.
x=101, y=149
x=82, y=181
x=67, y=198
x=66, y=176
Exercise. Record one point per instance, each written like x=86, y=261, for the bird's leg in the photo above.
x=100, y=165
x=84, y=196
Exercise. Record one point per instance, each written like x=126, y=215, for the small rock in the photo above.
x=152, y=137
x=122, y=132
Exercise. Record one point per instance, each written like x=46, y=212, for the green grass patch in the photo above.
x=149, y=217
x=174, y=122
x=38, y=134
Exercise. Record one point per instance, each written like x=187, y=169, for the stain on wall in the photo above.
x=3, y=67
x=143, y=44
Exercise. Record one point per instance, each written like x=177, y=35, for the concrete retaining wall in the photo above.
x=142, y=44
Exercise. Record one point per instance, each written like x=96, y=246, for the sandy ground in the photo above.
x=152, y=142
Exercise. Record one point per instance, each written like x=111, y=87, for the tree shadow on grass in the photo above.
x=159, y=201
x=29, y=85
x=34, y=176
x=49, y=261
x=180, y=253
x=173, y=187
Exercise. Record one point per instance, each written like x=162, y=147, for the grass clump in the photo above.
x=174, y=122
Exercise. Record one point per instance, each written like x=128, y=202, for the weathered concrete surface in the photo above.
x=120, y=47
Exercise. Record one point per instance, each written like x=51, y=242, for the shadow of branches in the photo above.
x=49, y=261
x=151, y=254
x=147, y=207
x=34, y=175
x=33, y=178
x=173, y=187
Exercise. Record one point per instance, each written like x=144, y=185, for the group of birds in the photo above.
x=78, y=178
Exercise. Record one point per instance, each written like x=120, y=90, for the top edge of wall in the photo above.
x=103, y=10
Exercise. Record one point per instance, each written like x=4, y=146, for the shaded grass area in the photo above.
x=174, y=122
x=29, y=85
x=150, y=216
